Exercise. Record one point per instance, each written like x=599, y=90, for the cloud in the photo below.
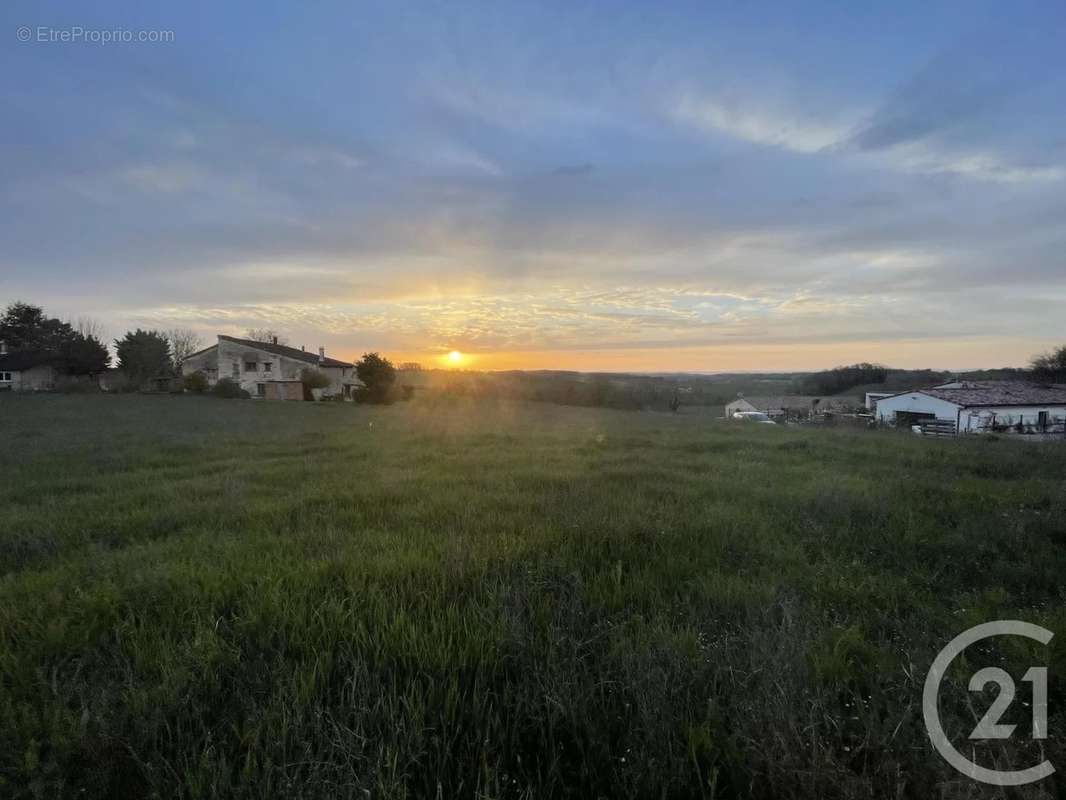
x=797, y=133
x=879, y=145
x=528, y=180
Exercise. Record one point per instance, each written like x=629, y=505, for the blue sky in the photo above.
x=605, y=186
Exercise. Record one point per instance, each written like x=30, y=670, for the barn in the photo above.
x=972, y=406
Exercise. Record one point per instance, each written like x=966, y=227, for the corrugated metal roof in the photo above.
x=998, y=393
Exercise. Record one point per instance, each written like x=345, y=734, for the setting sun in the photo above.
x=455, y=357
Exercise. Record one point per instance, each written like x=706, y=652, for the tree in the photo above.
x=1050, y=366
x=840, y=379
x=183, y=343
x=378, y=375
x=265, y=335
x=26, y=327
x=83, y=355
x=89, y=328
x=144, y=354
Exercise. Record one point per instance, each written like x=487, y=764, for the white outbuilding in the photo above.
x=973, y=406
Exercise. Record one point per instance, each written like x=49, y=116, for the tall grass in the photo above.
x=208, y=598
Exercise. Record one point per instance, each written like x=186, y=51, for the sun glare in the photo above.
x=455, y=357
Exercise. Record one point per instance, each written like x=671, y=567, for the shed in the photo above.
x=795, y=406
x=978, y=405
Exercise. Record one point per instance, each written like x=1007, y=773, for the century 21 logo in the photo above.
x=990, y=727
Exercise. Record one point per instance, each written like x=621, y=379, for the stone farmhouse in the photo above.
x=270, y=370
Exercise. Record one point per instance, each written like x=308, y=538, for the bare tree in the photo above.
x=265, y=335
x=183, y=343
x=90, y=328
x=1050, y=365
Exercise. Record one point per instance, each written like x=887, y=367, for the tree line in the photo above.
x=77, y=348
x=840, y=379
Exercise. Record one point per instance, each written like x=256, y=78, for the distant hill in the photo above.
x=898, y=380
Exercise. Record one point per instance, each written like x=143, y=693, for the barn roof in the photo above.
x=288, y=352
x=997, y=393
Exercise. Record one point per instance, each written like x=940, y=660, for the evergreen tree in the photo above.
x=25, y=327
x=144, y=354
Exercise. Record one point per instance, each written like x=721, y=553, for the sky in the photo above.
x=704, y=186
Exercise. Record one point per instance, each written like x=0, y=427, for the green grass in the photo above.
x=210, y=598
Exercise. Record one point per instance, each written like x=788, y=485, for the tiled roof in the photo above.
x=998, y=393
x=288, y=352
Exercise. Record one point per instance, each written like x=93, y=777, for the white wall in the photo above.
x=339, y=376
x=739, y=404
x=205, y=362
x=915, y=402
x=967, y=418
x=233, y=359
x=873, y=397
x=34, y=379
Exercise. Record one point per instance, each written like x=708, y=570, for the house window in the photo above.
x=260, y=390
x=236, y=370
x=268, y=366
x=1042, y=419
x=5, y=377
x=250, y=366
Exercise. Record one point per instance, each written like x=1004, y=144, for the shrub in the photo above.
x=196, y=382
x=229, y=389
x=314, y=379
x=378, y=376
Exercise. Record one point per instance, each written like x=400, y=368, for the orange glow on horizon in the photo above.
x=779, y=357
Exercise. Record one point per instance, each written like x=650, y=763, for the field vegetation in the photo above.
x=483, y=598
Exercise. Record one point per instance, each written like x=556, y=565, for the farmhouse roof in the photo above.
x=797, y=401
x=26, y=359
x=288, y=352
x=998, y=393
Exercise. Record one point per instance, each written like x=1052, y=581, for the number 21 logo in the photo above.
x=990, y=726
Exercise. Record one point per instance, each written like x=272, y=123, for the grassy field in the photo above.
x=210, y=598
